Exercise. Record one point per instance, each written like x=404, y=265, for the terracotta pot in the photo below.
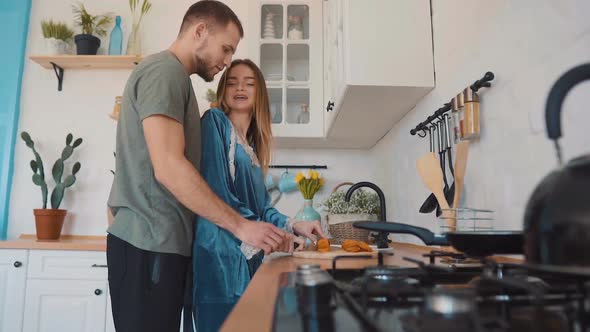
x=49, y=223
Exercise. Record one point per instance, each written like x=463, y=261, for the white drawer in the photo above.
x=64, y=264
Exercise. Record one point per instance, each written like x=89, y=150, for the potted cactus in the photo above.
x=49, y=222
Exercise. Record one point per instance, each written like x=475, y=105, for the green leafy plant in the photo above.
x=56, y=171
x=360, y=202
x=91, y=24
x=57, y=30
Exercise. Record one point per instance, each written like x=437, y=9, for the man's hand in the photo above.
x=310, y=229
x=261, y=235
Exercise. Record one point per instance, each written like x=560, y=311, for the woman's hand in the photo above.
x=310, y=229
x=288, y=244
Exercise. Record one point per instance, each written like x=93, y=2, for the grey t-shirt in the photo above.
x=146, y=214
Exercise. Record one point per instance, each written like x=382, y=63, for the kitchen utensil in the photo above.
x=451, y=193
x=460, y=167
x=557, y=216
x=441, y=158
x=474, y=244
x=431, y=174
x=430, y=203
x=446, y=139
x=442, y=148
x=471, y=123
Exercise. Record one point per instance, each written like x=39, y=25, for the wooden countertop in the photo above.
x=66, y=242
x=255, y=309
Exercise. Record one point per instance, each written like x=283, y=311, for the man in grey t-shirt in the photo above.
x=157, y=188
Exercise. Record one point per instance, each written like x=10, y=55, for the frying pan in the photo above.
x=471, y=243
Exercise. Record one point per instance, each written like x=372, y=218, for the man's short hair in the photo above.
x=213, y=13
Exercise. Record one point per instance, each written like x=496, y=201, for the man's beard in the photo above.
x=203, y=69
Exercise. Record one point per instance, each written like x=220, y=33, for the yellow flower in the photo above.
x=298, y=177
x=314, y=175
x=322, y=181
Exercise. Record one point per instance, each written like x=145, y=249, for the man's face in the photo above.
x=216, y=51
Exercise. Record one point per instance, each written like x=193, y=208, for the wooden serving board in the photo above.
x=330, y=254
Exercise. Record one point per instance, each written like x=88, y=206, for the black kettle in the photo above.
x=557, y=216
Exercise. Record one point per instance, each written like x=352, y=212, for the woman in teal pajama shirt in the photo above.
x=236, y=140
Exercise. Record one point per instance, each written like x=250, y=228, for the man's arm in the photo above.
x=165, y=141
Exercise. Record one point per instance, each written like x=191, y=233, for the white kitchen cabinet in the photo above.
x=65, y=305
x=379, y=60
x=375, y=65
x=13, y=273
x=286, y=43
x=54, y=290
x=110, y=324
x=66, y=291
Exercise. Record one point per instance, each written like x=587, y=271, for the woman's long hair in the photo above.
x=259, y=133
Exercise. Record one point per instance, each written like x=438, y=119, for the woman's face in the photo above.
x=240, y=88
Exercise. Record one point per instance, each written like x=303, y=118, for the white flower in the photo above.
x=308, y=175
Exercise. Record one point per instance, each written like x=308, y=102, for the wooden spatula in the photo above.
x=431, y=173
x=462, y=152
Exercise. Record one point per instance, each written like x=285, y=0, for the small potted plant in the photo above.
x=57, y=37
x=341, y=215
x=49, y=222
x=86, y=42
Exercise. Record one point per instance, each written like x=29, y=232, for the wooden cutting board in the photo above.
x=330, y=254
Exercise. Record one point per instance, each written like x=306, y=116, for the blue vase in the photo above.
x=307, y=212
x=116, y=40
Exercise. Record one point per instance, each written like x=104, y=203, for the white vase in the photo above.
x=134, y=42
x=55, y=46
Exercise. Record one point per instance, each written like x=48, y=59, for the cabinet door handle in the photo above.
x=18, y=264
x=99, y=265
x=330, y=106
x=97, y=292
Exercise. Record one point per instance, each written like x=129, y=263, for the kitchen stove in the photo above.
x=433, y=297
x=453, y=259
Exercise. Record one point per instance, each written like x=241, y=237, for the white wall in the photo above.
x=527, y=44
x=82, y=108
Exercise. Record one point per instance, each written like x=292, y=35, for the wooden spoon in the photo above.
x=462, y=152
x=431, y=173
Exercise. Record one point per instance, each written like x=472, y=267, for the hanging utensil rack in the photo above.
x=299, y=166
x=422, y=127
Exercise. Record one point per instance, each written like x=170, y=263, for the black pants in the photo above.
x=147, y=288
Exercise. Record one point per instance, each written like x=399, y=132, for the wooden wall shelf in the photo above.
x=87, y=61
x=61, y=62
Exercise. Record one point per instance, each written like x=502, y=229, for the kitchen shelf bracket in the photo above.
x=59, y=72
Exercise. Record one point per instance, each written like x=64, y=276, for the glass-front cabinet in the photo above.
x=286, y=42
